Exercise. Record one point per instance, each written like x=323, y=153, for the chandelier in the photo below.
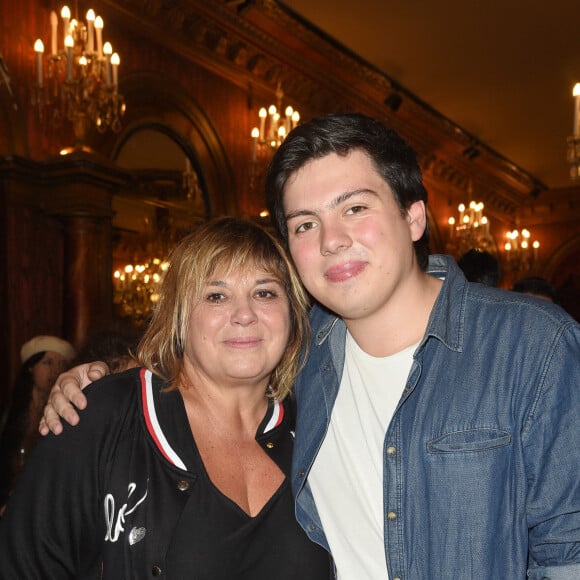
x=469, y=231
x=78, y=80
x=574, y=140
x=136, y=288
x=273, y=126
x=520, y=251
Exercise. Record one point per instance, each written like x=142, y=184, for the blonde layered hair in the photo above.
x=224, y=244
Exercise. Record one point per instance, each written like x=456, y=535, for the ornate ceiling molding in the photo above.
x=261, y=43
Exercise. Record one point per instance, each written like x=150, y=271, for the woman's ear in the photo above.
x=417, y=218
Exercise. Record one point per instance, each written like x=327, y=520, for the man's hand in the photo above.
x=67, y=390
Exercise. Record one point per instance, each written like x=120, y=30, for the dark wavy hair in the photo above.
x=340, y=133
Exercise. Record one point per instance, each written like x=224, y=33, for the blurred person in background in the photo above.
x=480, y=266
x=43, y=359
x=537, y=287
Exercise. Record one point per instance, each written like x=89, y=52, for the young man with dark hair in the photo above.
x=438, y=421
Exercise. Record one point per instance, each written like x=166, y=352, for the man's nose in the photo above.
x=334, y=238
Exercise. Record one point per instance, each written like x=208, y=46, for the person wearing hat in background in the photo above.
x=43, y=359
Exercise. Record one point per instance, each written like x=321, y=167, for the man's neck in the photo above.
x=400, y=323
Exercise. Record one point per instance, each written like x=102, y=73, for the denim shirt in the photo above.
x=481, y=460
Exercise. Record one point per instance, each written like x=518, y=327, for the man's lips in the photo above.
x=344, y=271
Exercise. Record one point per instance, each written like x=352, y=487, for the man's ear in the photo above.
x=417, y=218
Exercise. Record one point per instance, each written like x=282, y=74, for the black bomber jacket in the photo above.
x=92, y=517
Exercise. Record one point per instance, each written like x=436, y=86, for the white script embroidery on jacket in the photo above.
x=116, y=524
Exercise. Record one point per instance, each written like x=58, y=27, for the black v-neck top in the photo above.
x=215, y=539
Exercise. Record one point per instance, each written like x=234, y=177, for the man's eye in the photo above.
x=356, y=209
x=304, y=227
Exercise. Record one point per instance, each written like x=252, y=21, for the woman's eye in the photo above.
x=266, y=294
x=214, y=297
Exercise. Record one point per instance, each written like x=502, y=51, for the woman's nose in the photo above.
x=243, y=313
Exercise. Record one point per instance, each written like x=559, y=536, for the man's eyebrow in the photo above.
x=341, y=198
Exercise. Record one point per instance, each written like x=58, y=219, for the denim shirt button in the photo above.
x=391, y=450
x=396, y=578
x=301, y=473
x=391, y=516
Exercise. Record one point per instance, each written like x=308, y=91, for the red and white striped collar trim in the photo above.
x=277, y=410
x=152, y=422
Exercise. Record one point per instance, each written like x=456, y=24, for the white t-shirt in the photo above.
x=347, y=476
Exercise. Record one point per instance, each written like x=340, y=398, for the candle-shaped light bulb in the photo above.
x=65, y=15
x=272, y=110
x=485, y=224
x=53, y=33
x=91, y=31
x=536, y=245
x=576, y=95
x=255, y=135
x=115, y=62
x=107, y=51
x=262, y=113
x=295, y=118
x=451, y=221
x=99, y=34
x=39, y=50
x=68, y=44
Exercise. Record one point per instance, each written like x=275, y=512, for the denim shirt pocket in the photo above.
x=470, y=440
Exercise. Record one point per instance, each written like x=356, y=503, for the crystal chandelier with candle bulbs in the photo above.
x=77, y=76
x=275, y=122
x=521, y=251
x=136, y=288
x=469, y=231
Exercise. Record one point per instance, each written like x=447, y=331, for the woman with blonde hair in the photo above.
x=179, y=468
